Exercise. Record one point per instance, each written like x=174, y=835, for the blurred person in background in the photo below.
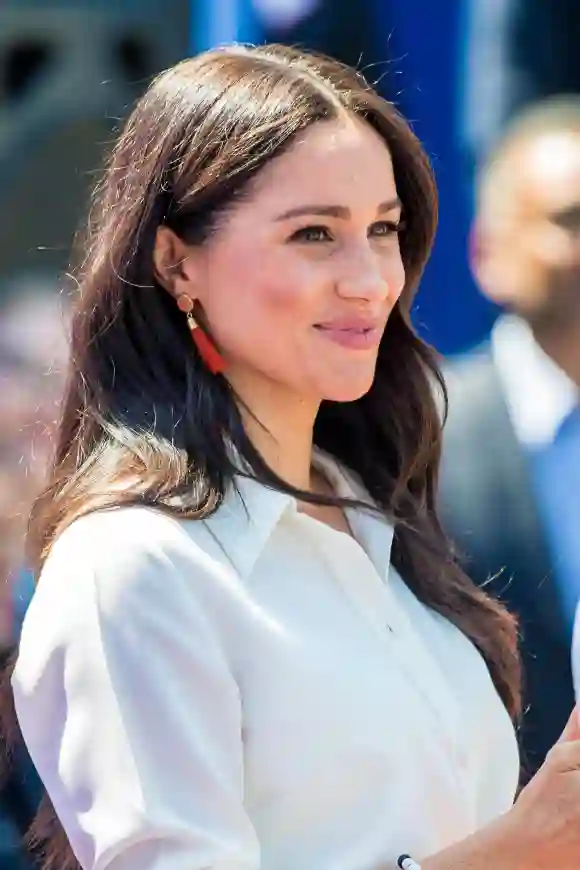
x=239, y=547
x=510, y=482
x=33, y=350
x=33, y=353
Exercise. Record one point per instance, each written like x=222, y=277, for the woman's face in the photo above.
x=298, y=282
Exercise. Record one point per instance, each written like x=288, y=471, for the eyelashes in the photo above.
x=311, y=234
x=317, y=233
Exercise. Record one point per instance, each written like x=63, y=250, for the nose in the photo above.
x=363, y=276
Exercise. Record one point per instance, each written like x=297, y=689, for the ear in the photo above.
x=474, y=245
x=173, y=264
x=478, y=250
x=486, y=266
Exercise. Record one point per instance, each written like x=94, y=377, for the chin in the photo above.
x=348, y=391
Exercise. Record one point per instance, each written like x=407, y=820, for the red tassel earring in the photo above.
x=205, y=346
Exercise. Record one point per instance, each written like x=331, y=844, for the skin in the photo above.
x=527, y=239
x=263, y=283
x=267, y=278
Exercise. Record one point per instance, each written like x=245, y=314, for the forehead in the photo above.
x=330, y=161
x=550, y=172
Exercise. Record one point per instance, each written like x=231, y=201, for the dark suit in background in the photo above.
x=489, y=509
x=510, y=482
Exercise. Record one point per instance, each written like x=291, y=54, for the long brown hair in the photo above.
x=140, y=407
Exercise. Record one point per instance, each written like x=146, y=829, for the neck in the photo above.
x=562, y=345
x=281, y=429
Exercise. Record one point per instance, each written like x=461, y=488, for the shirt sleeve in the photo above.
x=128, y=705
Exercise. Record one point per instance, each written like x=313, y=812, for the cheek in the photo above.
x=570, y=251
x=551, y=247
x=280, y=293
x=394, y=275
x=253, y=295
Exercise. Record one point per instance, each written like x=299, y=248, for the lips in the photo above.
x=357, y=333
x=350, y=324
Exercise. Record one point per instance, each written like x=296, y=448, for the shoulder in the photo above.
x=127, y=542
x=131, y=528
x=130, y=560
x=475, y=397
x=463, y=371
x=473, y=438
x=123, y=577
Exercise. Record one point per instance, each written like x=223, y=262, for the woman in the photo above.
x=249, y=645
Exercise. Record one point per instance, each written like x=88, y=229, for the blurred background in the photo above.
x=460, y=70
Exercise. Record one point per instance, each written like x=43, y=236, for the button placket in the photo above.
x=373, y=597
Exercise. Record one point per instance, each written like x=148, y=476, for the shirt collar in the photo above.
x=539, y=395
x=251, y=511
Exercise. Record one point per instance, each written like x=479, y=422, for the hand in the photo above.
x=541, y=831
x=547, y=811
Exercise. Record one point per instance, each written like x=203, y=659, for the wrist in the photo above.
x=496, y=846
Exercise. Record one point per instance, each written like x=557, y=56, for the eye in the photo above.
x=568, y=218
x=386, y=228
x=311, y=234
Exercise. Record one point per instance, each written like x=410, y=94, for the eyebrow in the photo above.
x=337, y=211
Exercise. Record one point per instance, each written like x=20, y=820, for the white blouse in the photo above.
x=256, y=690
